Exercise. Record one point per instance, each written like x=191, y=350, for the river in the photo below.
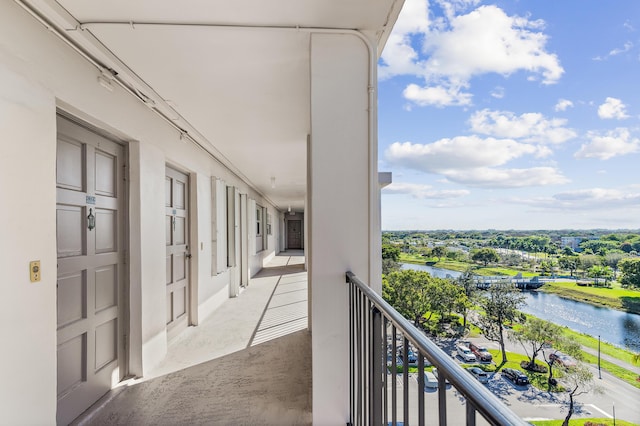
x=615, y=327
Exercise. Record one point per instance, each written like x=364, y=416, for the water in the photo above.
x=435, y=272
x=615, y=327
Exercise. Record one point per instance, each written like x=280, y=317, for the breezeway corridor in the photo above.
x=247, y=363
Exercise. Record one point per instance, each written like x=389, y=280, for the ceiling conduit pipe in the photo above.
x=138, y=93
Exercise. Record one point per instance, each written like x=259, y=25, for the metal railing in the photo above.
x=375, y=328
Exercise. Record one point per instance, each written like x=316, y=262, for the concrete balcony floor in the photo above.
x=248, y=363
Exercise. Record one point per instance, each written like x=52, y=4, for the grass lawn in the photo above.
x=538, y=380
x=605, y=348
x=615, y=297
x=580, y=422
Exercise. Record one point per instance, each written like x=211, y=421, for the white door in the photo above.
x=177, y=245
x=91, y=245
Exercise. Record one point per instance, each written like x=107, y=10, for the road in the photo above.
x=531, y=403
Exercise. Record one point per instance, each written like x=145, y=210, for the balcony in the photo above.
x=250, y=363
x=247, y=363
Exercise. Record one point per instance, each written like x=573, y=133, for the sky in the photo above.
x=518, y=114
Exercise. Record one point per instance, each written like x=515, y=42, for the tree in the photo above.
x=589, y=260
x=500, y=307
x=565, y=343
x=390, y=252
x=485, y=255
x=578, y=380
x=405, y=290
x=630, y=270
x=570, y=263
x=390, y=258
x=470, y=289
x=612, y=259
x=442, y=296
x=534, y=335
x=598, y=272
x=439, y=252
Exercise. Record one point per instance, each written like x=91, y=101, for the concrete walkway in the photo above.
x=248, y=363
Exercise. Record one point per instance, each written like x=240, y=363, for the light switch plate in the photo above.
x=34, y=270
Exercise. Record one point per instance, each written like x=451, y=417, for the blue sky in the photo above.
x=511, y=115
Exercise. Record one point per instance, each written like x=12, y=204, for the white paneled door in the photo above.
x=91, y=242
x=177, y=244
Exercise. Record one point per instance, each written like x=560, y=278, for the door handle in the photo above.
x=188, y=255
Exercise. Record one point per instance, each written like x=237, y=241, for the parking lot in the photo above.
x=526, y=401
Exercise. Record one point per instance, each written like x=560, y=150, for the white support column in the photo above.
x=339, y=205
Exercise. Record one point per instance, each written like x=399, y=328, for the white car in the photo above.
x=430, y=380
x=465, y=353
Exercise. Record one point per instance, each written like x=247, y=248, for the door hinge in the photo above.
x=124, y=173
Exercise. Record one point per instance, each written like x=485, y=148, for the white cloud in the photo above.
x=498, y=92
x=461, y=152
x=423, y=191
x=459, y=47
x=627, y=46
x=507, y=178
x=439, y=96
x=563, y=104
x=487, y=40
x=612, y=108
x=586, y=199
x=530, y=127
x=613, y=143
x=473, y=161
x=399, y=57
x=451, y=7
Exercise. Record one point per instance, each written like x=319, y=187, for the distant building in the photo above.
x=573, y=242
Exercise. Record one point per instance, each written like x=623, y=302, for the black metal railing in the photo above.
x=376, y=329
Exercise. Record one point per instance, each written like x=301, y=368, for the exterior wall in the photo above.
x=339, y=210
x=38, y=75
x=27, y=314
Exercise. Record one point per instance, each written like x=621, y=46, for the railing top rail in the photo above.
x=490, y=407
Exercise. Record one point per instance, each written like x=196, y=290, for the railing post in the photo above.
x=442, y=399
x=375, y=380
x=471, y=413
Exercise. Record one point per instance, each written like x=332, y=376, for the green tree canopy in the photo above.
x=405, y=290
x=439, y=252
x=534, y=335
x=501, y=306
x=485, y=255
x=630, y=270
x=390, y=252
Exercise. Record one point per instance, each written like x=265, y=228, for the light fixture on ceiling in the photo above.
x=105, y=80
x=273, y=182
x=289, y=210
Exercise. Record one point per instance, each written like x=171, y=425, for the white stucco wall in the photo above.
x=338, y=210
x=27, y=214
x=38, y=75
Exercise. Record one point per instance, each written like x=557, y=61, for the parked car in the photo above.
x=562, y=359
x=465, y=353
x=517, y=377
x=481, y=353
x=430, y=381
x=479, y=374
x=435, y=373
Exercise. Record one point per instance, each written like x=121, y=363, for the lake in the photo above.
x=615, y=327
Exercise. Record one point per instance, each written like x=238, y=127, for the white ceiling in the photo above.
x=245, y=90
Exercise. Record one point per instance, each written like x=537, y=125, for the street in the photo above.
x=528, y=402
